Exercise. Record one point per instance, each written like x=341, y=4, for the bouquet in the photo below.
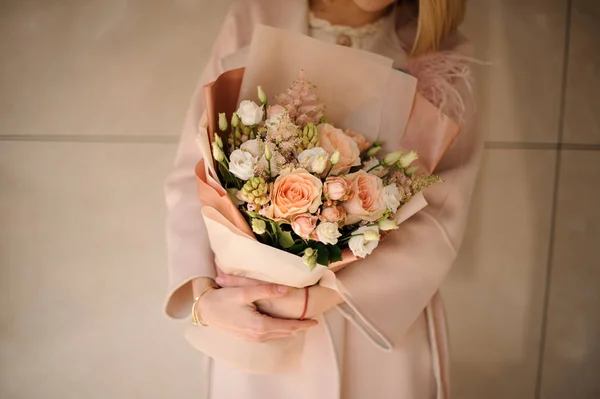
x=306, y=186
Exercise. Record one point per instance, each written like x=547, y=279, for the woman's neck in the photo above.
x=344, y=12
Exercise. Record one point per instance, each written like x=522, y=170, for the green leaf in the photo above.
x=297, y=248
x=285, y=239
x=322, y=254
x=335, y=253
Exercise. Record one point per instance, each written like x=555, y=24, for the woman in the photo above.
x=385, y=338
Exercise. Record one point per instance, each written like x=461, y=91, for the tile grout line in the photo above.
x=552, y=238
x=125, y=139
x=170, y=139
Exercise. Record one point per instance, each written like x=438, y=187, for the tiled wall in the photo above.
x=92, y=95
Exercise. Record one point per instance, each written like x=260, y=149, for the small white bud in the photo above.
x=407, y=159
x=259, y=226
x=392, y=158
x=387, y=225
x=261, y=95
x=222, y=123
x=371, y=235
x=335, y=157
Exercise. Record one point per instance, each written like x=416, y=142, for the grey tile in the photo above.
x=102, y=67
x=520, y=92
x=494, y=292
x=83, y=276
x=582, y=111
x=572, y=353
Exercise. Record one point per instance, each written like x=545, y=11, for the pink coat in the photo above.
x=388, y=340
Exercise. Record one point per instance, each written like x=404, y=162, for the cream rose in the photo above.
x=314, y=159
x=359, y=139
x=367, y=202
x=328, y=233
x=250, y=113
x=295, y=193
x=337, y=188
x=241, y=164
x=331, y=139
x=359, y=245
x=304, y=225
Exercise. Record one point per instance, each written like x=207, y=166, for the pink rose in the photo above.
x=275, y=111
x=294, y=193
x=333, y=214
x=331, y=139
x=361, y=141
x=304, y=224
x=368, y=202
x=337, y=188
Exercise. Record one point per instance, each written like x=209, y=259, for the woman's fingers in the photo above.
x=227, y=280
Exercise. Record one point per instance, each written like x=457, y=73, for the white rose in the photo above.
x=250, y=113
x=391, y=197
x=254, y=147
x=328, y=233
x=241, y=164
x=359, y=246
x=314, y=160
x=370, y=164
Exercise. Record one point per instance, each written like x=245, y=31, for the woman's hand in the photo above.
x=233, y=310
x=290, y=305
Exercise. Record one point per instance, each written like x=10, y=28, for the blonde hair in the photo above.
x=437, y=19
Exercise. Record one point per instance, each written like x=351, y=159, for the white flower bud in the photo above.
x=387, y=225
x=392, y=158
x=335, y=157
x=268, y=153
x=407, y=159
x=310, y=258
x=218, y=153
x=235, y=120
x=218, y=140
x=259, y=226
x=222, y=123
x=373, y=151
x=371, y=235
x=261, y=95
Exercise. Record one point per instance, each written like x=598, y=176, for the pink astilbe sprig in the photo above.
x=302, y=105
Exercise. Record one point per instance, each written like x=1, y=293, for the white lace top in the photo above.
x=344, y=35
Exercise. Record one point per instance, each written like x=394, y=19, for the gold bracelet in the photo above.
x=196, y=320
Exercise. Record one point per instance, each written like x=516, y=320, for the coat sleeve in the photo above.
x=189, y=252
x=385, y=293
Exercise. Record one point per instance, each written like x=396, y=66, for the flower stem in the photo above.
x=375, y=167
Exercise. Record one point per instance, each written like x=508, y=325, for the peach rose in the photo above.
x=331, y=139
x=304, y=225
x=294, y=193
x=361, y=141
x=333, y=214
x=368, y=202
x=337, y=188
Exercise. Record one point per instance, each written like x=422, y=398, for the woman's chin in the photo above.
x=373, y=5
